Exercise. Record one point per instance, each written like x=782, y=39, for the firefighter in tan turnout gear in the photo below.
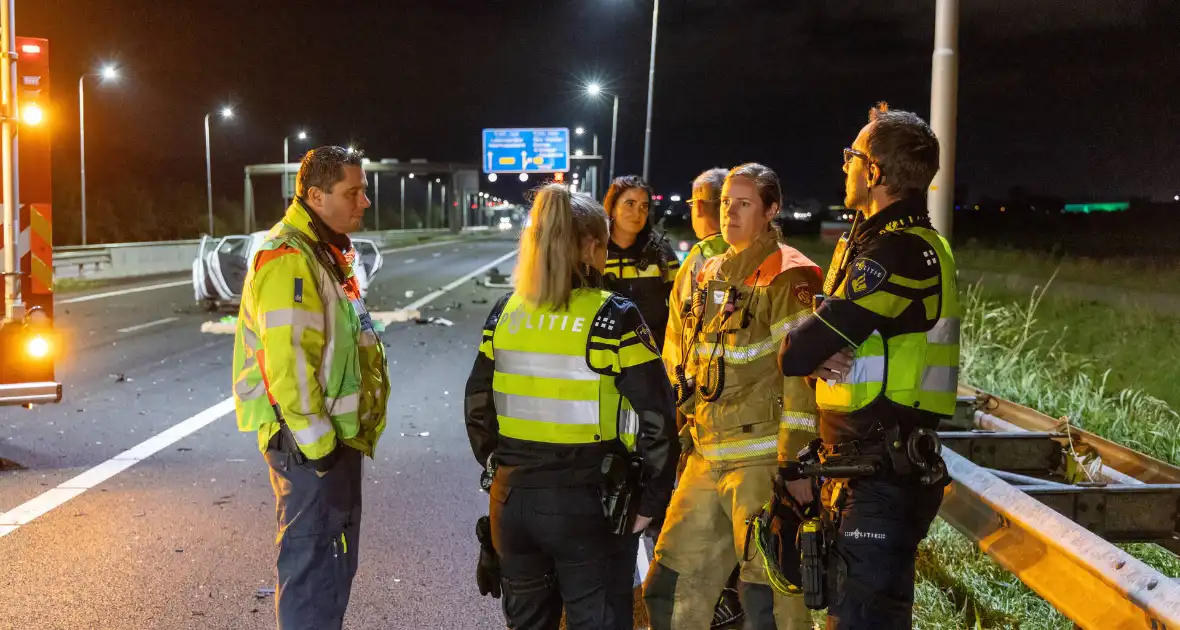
x=747, y=419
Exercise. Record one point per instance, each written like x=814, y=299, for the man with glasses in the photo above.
x=705, y=209
x=884, y=348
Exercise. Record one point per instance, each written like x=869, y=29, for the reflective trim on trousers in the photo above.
x=584, y=412
x=740, y=449
x=945, y=330
x=801, y=421
x=940, y=378
x=544, y=365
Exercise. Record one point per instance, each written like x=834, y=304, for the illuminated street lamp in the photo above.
x=226, y=113
x=524, y=177
x=580, y=130
x=492, y=177
x=108, y=73
x=302, y=135
x=594, y=89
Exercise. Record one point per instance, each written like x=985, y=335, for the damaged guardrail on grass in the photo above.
x=1012, y=494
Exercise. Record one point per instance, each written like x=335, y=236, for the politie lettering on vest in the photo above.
x=569, y=405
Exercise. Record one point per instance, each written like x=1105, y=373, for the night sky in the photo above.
x=1079, y=98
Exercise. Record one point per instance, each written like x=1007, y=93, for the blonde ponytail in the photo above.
x=551, y=246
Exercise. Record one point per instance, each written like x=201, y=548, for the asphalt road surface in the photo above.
x=146, y=508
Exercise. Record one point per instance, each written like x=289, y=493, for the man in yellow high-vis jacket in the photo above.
x=884, y=347
x=310, y=377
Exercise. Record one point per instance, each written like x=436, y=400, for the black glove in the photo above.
x=487, y=571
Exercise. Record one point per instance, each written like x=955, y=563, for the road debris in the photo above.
x=409, y=294
x=264, y=591
x=121, y=378
x=437, y=321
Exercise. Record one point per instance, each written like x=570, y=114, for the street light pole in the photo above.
x=594, y=181
x=651, y=78
x=377, y=200
x=208, y=176
x=82, y=136
x=402, y=205
x=286, y=160
x=614, y=137
x=944, y=98
x=226, y=112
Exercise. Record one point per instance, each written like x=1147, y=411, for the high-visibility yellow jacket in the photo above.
x=895, y=301
x=686, y=275
x=554, y=390
x=743, y=409
x=305, y=343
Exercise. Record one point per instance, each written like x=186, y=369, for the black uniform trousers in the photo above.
x=555, y=551
x=319, y=520
x=871, y=566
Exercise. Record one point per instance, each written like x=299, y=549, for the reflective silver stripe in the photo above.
x=544, y=365
x=740, y=449
x=628, y=422
x=301, y=382
x=250, y=338
x=940, y=378
x=945, y=330
x=547, y=409
x=758, y=349
x=294, y=317
x=795, y=420
x=342, y=405
x=246, y=392
x=330, y=295
x=866, y=370
x=318, y=428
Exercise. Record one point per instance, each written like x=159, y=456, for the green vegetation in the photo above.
x=1066, y=357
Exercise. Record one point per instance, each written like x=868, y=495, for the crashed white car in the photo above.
x=219, y=271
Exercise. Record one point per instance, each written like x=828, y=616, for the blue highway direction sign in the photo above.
x=526, y=150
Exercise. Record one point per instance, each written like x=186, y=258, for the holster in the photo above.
x=487, y=571
x=620, y=491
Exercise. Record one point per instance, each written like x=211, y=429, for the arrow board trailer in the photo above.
x=541, y=150
x=28, y=344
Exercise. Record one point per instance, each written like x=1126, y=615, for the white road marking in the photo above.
x=166, y=320
x=40, y=505
x=410, y=261
x=99, y=296
x=419, y=303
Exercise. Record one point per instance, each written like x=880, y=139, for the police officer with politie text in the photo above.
x=569, y=405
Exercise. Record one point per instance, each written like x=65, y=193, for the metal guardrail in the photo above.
x=128, y=260
x=1056, y=538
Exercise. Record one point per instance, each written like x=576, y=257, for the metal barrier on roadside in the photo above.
x=1055, y=537
x=130, y=260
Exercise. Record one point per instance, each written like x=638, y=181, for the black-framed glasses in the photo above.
x=850, y=153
